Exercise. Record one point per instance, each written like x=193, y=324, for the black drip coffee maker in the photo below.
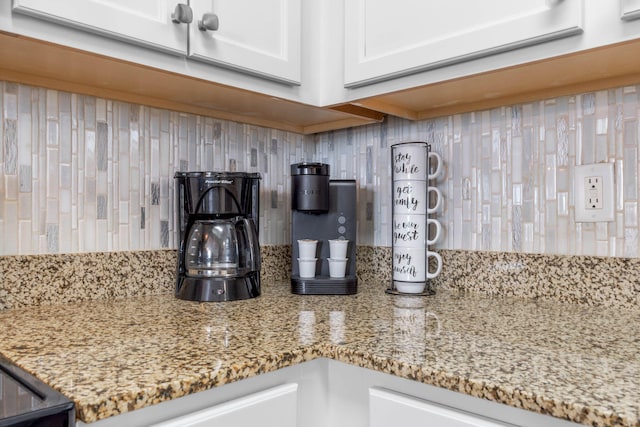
x=218, y=246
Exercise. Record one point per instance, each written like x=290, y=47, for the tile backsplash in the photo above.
x=84, y=174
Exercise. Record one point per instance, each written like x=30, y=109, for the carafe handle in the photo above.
x=252, y=241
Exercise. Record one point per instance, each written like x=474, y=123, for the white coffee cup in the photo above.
x=411, y=264
x=408, y=231
x=410, y=160
x=337, y=267
x=413, y=230
x=412, y=197
x=338, y=248
x=307, y=267
x=307, y=248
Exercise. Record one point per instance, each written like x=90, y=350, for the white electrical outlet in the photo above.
x=593, y=196
x=594, y=191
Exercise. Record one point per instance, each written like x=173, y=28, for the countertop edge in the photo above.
x=511, y=396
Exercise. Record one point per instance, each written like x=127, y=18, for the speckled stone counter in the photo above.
x=27, y=280
x=572, y=361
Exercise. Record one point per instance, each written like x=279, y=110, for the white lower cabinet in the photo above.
x=288, y=397
x=387, y=408
x=360, y=397
x=327, y=393
x=274, y=407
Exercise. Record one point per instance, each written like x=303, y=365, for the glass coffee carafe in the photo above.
x=221, y=248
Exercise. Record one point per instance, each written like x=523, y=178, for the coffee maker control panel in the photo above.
x=341, y=228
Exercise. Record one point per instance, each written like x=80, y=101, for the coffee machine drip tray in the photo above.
x=324, y=286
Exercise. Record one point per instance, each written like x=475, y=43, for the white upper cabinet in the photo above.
x=258, y=37
x=384, y=40
x=629, y=9
x=148, y=23
x=316, y=65
x=262, y=38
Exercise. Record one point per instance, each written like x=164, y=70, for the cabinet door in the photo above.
x=388, y=409
x=629, y=9
x=257, y=37
x=274, y=407
x=386, y=39
x=145, y=22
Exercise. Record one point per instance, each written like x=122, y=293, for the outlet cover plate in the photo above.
x=604, y=214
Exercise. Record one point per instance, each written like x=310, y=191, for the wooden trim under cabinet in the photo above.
x=589, y=70
x=38, y=63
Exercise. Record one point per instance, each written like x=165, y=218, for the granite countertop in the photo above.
x=575, y=362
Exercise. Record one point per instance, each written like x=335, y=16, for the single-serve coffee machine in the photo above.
x=217, y=226
x=323, y=232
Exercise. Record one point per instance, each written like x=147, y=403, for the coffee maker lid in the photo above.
x=308, y=168
x=210, y=174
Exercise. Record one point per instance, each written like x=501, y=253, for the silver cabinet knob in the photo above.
x=209, y=22
x=182, y=14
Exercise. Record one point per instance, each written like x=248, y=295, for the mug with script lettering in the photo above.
x=411, y=160
x=412, y=231
x=411, y=265
x=412, y=197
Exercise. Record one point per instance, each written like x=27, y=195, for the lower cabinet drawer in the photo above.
x=388, y=409
x=275, y=406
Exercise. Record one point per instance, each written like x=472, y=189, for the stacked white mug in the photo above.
x=411, y=223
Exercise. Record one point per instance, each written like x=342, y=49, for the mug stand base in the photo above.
x=427, y=292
